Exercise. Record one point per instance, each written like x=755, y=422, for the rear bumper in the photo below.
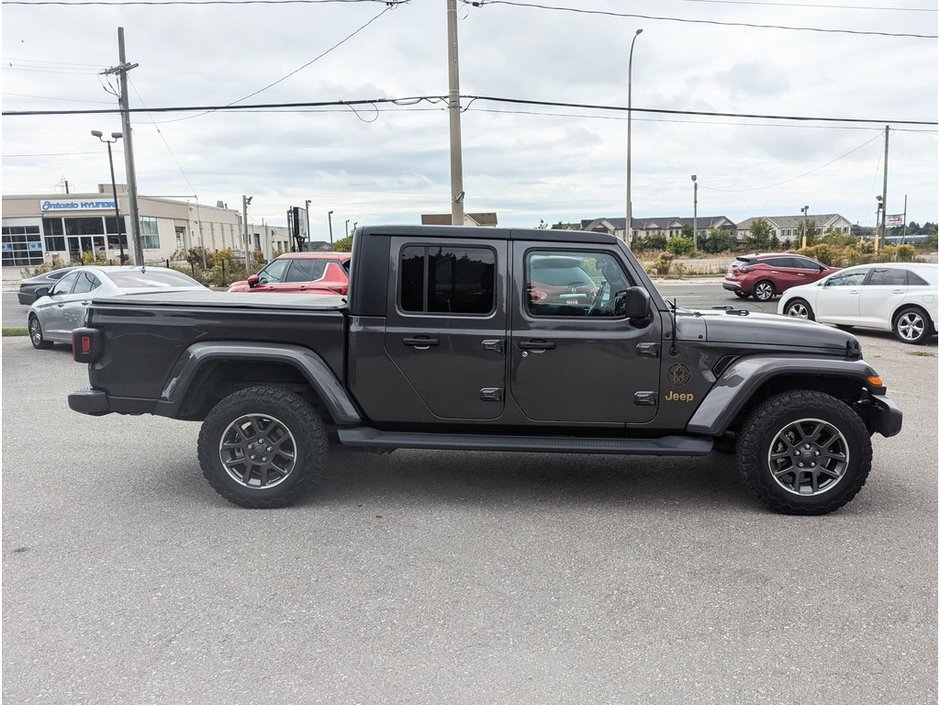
x=886, y=417
x=96, y=402
x=731, y=286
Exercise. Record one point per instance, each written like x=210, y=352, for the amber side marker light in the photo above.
x=875, y=381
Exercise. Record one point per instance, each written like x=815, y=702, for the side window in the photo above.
x=437, y=279
x=888, y=277
x=273, y=271
x=573, y=284
x=848, y=279
x=86, y=282
x=801, y=263
x=64, y=285
x=305, y=270
x=915, y=280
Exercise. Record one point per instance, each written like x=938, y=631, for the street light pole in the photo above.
x=307, y=218
x=347, y=227
x=329, y=218
x=628, y=230
x=117, y=213
x=694, y=212
x=805, y=210
x=246, y=201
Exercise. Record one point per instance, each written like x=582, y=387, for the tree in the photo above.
x=759, y=237
x=343, y=244
x=680, y=245
x=716, y=240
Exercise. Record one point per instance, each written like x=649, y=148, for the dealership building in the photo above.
x=38, y=228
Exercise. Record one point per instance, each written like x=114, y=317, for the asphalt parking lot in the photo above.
x=436, y=577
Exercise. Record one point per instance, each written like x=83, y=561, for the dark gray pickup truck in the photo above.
x=488, y=339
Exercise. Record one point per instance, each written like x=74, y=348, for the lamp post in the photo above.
x=246, y=201
x=628, y=230
x=307, y=218
x=329, y=219
x=347, y=227
x=805, y=210
x=694, y=212
x=115, y=136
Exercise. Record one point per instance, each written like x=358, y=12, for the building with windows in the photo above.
x=790, y=227
x=666, y=226
x=38, y=228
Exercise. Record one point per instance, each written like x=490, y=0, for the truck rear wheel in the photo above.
x=804, y=452
x=261, y=447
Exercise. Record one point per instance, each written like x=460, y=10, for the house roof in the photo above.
x=793, y=221
x=445, y=218
x=662, y=222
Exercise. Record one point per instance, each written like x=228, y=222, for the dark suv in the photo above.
x=767, y=275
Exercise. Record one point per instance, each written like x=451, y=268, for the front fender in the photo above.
x=329, y=389
x=741, y=380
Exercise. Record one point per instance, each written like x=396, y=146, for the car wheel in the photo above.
x=35, y=335
x=262, y=447
x=799, y=308
x=911, y=325
x=804, y=452
x=741, y=294
x=763, y=290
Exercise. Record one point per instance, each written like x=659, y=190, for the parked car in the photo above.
x=764, y=276
x=560, y=280
x=27, y=292
x=897, y=296
x=60, y=308
x=301, y=272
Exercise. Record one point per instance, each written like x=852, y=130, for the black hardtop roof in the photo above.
x=481, y=233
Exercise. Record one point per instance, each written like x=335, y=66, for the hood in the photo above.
x=772, y=331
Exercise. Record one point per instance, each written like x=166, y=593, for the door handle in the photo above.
x=421, y=343
x=538, y=345
x=897, y=291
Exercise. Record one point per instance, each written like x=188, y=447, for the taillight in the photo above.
x=87, y=344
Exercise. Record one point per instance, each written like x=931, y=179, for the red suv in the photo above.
x=767, y=275
x=301, y=273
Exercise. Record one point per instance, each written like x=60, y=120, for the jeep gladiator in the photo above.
x=488, y=339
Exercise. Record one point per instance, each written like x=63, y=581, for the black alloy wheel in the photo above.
x=262, y=447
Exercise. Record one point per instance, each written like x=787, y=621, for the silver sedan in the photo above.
x=61, y=308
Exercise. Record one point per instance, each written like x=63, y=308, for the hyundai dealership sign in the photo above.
x=76, y=204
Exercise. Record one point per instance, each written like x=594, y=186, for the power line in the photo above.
x=471, y=98
x=158, y=3
x=795, y=178
x=752, y=25
x=816, y=5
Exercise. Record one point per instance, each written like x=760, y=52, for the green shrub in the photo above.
x=680, y=246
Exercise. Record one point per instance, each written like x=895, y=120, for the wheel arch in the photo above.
x=922, y=309
x=749, y=381
x=208, y=372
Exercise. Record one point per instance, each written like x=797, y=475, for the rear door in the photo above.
x=573, y=358
x=74, y=309
x=446, y=325
x=883, y=291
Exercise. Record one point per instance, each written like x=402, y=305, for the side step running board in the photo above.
x=667, y=445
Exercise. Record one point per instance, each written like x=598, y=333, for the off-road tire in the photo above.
x=798, y=413
x=799, y=308
x=912, y=325
x=35, y=334
x=275, y=473
x=764, y=290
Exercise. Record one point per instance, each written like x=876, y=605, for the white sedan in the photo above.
x=895, y=296
x=61, y=307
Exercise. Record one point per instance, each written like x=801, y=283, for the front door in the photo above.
x=446, y=326
x=573, y=358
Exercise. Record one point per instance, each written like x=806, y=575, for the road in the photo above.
x=436, y=577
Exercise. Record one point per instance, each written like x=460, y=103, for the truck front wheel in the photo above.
x=261, y=447
x=804, y=452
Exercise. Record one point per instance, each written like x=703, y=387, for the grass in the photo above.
x=9, y=332
x=922, y=353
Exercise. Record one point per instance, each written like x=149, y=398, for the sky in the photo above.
x=390, y=162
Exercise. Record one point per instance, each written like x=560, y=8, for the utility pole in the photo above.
x=884, y=197
x=904, y=220
x=121, y=71
x=694, y=212
x=453, y=106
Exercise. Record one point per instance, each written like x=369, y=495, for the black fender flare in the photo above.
x=743, y=377
x=328, y=388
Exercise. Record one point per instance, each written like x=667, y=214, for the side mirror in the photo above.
x=635, y=304
x=42, y=291
x=253, y=281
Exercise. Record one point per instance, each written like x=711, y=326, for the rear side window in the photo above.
x=305, y=270
x=458, y=280
x=86, y=282
x=916, y=280
x=888, y=277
